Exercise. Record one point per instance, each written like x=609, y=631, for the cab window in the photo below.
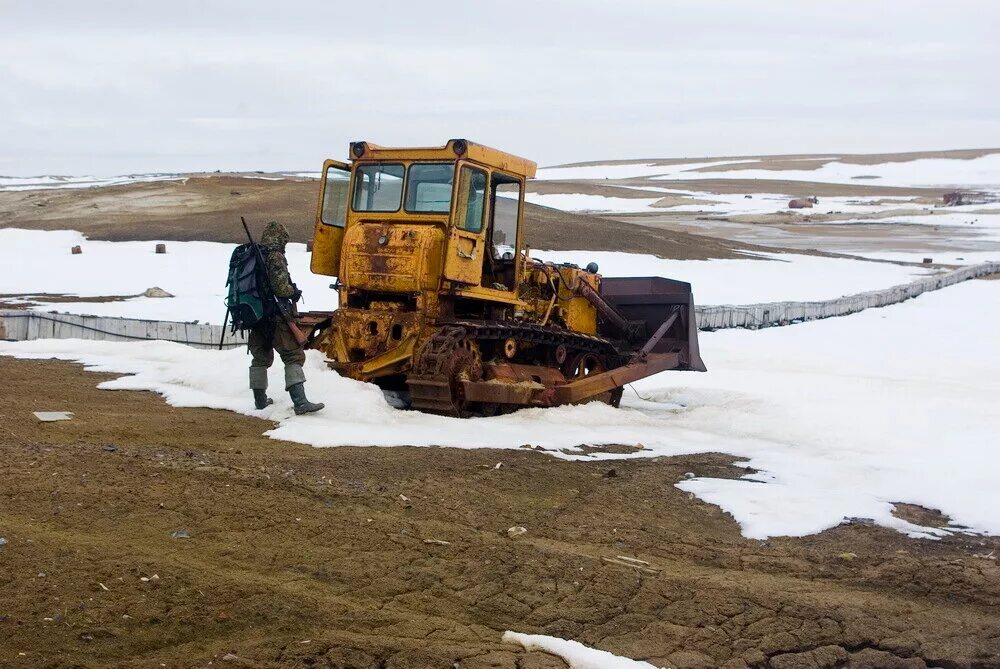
x=335, y=186
x=471, y=199
x=505, y=196
x=378, y=187
x=428, y=187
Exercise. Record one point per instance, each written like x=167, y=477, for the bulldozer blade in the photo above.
x=652, y=300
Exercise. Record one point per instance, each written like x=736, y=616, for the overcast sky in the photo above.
x=92, y=87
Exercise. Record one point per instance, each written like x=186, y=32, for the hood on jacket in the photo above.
x=275, y=236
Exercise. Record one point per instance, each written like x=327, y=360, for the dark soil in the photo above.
x=306, y=557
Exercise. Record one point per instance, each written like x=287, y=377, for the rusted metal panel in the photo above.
x=595, y=384
x=463, y=262
x=496, y=392
x=510, y=372
x=392, y=258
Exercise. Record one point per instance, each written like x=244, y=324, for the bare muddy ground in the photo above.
x=304, y=557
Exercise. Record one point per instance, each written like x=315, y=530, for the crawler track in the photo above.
x=457, y=351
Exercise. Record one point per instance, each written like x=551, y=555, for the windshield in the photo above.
x=428, y=187
x=378, y=187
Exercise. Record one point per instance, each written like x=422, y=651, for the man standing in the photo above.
x=272, y=333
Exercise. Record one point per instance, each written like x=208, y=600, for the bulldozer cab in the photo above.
x=465, y=199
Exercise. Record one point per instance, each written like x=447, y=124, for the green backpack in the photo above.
x=247, y=286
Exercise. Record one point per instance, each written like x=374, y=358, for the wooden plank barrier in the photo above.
x=21, y=325
x=771, y=314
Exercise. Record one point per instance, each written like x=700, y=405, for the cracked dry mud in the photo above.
x=303, y=557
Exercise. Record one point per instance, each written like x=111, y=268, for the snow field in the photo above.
x=599, y=204
x=986, y=226
x=195, y=272
x=976, y=173
x=47, y=182
x=839, y=418
x=774, y=278
x=981, y=172
x=712, y=203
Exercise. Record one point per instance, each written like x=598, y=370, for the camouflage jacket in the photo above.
x=272, y=242
x=277, y=271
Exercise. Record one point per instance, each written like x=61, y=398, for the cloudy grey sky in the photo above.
x=101, y=87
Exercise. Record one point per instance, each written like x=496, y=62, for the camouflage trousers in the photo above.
x=268, y=336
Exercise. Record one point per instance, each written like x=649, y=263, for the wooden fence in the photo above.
x=771, y=314
x=19, y=325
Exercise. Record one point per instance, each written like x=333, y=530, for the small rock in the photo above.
x=181, y=534
x=498, y=465
x=611, y=473
x=516, y=531
x=689, y=475
x=155, y=291
x=104, y=587
x=847, y=557
x=86, y=636
x=405, y=501
x=229, y=657
x=110, y=448
x=3, y=542
x=439, y=542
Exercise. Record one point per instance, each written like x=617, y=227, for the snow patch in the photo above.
x=581, y=202
x=575, y=654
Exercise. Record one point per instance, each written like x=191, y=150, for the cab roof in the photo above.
x=455, y=149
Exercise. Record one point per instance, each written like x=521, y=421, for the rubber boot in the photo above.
x=261, y=400
x=258, y=384
x=302, y=404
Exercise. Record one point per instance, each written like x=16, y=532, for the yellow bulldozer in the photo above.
x=440, y=298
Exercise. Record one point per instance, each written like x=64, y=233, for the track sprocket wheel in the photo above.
x=443, y=362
